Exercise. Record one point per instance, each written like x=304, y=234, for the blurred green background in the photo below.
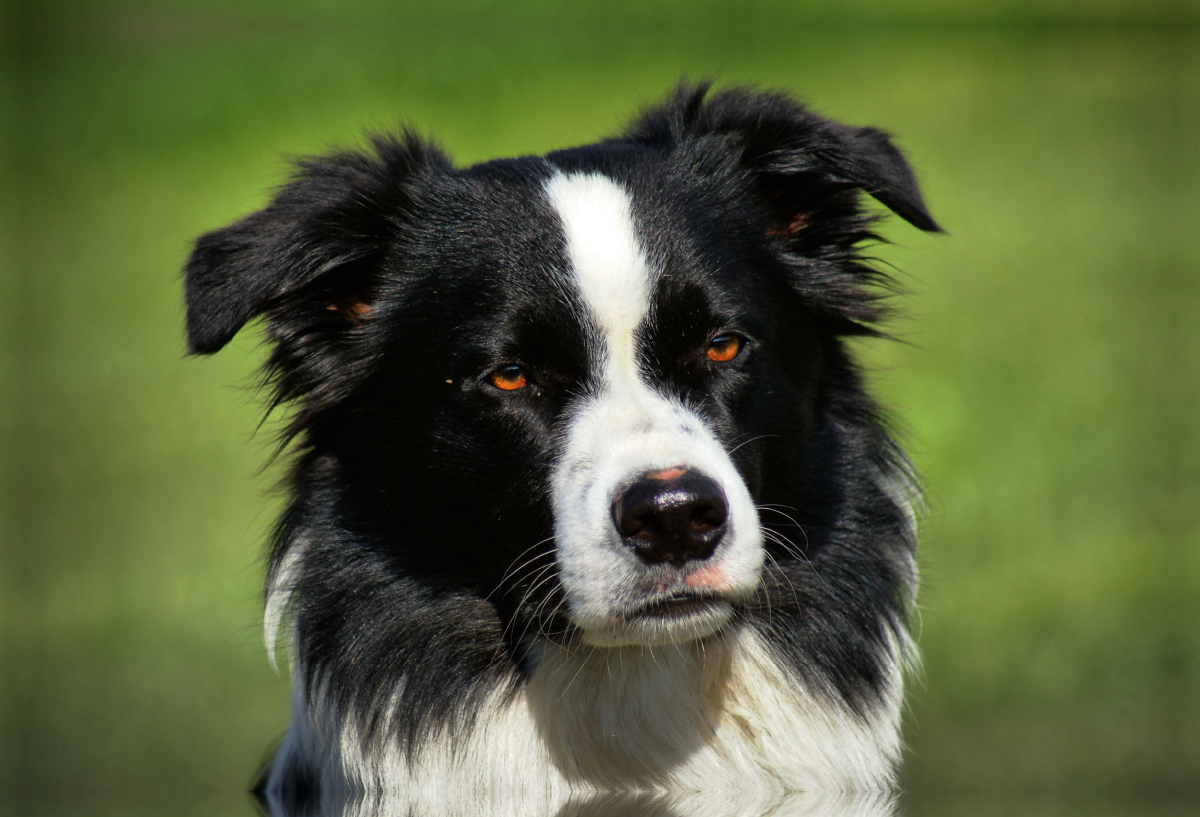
x=1048, y=378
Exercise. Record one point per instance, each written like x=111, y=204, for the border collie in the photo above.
x=587, y=493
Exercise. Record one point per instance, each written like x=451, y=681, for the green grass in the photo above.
x=1048, y=382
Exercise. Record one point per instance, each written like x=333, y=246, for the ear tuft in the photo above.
x=226, y=281
x=785, y=144
x=802, y=177
x=872, y=162
x=320, y=242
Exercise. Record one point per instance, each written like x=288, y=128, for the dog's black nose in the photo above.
x=671, y=516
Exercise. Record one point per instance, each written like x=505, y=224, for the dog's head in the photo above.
x=571, y=385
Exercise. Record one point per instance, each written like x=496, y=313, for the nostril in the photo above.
x=633, y=523
x=708, y=515
x=671, y=515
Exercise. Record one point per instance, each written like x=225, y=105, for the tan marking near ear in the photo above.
x=798, y=223
x=352, y=310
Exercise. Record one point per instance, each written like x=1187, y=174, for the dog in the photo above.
x=587, y=493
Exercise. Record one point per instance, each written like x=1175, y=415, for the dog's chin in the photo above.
x=661, y=621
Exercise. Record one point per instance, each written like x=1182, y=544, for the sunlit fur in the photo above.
x=467, y=623
x=718, y=715
x=625, y=428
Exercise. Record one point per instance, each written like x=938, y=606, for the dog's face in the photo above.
x=568, y=385
x=655, y=529
x=601, y=360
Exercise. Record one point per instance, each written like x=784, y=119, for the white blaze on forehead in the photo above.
x=605, y=254
x=627, y=427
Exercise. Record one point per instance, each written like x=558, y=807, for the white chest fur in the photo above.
x=714, y=713
x=718, y=714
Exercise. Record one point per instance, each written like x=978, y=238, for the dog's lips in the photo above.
x=676, y=606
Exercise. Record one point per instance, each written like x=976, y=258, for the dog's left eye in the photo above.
x=723, y=348
x=508, y=378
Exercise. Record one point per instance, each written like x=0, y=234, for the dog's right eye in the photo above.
x=723, y=348
x=509, y=377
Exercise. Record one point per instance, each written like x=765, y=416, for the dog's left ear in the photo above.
x=796, y=156
x=309, y=260
x=314, y=263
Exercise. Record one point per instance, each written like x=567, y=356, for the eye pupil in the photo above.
x=508, y=377
x=723, y=348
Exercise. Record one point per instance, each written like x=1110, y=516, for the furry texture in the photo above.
x=485, y=363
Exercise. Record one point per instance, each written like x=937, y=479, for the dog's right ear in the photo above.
x=309, y=261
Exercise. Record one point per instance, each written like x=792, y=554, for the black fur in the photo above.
x=390, y=282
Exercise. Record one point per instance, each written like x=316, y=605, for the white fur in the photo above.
x=713, y=715
x=502, y=760
x=606, y=257
x=281, y=583
x=626, y=429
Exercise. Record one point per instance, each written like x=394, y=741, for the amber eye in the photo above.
x=723, y=348
x=508, y=377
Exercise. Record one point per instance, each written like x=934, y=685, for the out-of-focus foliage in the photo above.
x=1047, y=377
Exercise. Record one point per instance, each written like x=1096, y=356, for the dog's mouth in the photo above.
x=663, y=618
x=676, y=606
